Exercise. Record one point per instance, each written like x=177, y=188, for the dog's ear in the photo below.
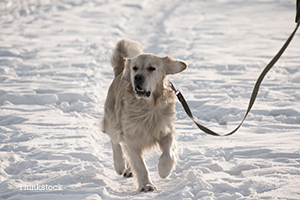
x=173, y=66
x=126, y=71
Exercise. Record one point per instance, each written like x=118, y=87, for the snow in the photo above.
x=55, y=72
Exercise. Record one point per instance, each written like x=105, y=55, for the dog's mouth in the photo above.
x=141, y=92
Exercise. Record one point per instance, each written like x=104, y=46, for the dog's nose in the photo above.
x=139, y=79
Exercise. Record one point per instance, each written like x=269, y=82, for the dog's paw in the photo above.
x=119, y=165
x=147, y=188
x=166, y=164
x=119, y=168
x=128, y=173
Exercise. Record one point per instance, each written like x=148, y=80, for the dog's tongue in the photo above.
x=140, y=91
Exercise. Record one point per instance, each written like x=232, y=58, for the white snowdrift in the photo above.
x=55, y=71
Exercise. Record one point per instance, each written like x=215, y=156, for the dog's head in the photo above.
x=147, y=71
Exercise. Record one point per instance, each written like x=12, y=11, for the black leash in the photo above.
x=256, y=87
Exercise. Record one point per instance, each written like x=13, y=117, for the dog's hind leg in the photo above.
x=127, y=173
x=120, y=162
x=168, y=159
x=119, y=159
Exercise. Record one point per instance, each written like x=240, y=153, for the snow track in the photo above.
x=55, y=72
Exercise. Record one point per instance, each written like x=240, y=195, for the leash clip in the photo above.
x=174, y=89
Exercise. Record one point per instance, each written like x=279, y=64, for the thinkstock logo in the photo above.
x=41, y=187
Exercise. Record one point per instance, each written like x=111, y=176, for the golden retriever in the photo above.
x=140, y=111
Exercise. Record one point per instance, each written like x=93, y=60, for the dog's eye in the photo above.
x=151, y=68
x=135, y=68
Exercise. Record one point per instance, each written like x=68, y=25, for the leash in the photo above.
x=255, y=89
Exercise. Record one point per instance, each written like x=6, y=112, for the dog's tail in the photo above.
x=124, y=49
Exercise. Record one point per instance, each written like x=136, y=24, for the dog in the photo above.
x=140, y=111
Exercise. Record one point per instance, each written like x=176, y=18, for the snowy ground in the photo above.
x=55, y=72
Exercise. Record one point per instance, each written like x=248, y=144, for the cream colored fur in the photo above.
x=136, y=123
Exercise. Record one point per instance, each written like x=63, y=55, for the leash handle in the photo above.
x=255, y=89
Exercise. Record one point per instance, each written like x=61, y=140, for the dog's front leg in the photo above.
x=168, y=159
x=139, y=169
